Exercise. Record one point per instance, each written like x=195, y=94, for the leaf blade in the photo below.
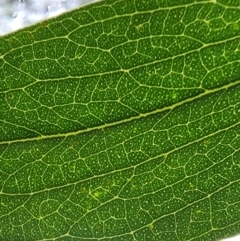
x=155, y=152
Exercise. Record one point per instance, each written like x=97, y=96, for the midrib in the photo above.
x=140, y=116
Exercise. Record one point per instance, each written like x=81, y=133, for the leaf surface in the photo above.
x=120, y=121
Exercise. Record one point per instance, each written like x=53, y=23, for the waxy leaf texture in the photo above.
x=120, y=121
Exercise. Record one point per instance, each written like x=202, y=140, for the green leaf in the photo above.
x=120, y=121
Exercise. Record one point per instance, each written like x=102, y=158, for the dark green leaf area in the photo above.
x=69, y=105
x=132, y=144
x=109, y=70
x=120, y=121
x=13, y=79
x=130, y=178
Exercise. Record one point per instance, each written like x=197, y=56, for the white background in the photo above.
x=16, y=14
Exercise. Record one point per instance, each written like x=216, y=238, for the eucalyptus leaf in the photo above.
x=120, y=121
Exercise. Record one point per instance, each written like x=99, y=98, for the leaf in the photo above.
x=120, y=121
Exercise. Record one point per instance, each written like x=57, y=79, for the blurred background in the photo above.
x=16, y=14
